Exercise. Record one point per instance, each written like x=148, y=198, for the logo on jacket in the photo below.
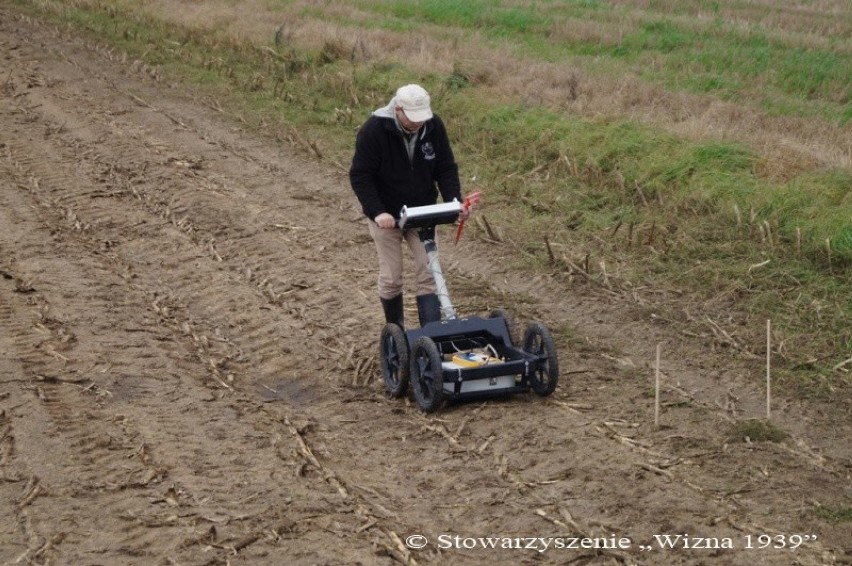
x=428, y=151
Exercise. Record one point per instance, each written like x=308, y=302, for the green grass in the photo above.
x=662, y=211
x=835, y=514
x=756, y=431
x=715, y=57
x=499, y=20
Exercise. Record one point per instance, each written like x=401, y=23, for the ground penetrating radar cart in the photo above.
x=461, y=358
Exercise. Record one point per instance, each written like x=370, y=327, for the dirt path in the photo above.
x=188, y=336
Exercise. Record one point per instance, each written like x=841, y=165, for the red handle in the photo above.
x=468, y=203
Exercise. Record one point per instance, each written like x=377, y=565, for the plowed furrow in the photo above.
x=64, y=455
x=191, y=488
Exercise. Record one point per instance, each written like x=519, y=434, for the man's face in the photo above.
x=407, y=124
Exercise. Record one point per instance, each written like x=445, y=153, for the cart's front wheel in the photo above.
x=427, y=374
x=539, y=342
x=393, y=356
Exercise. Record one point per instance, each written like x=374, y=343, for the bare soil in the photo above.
x=188, y=373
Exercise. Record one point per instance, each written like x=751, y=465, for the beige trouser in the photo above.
x=389, y=247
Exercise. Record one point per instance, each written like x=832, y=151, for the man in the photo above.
x=403, y=157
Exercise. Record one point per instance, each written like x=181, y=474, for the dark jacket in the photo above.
x=383, y=177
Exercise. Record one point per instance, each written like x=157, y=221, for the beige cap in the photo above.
x=414, y=101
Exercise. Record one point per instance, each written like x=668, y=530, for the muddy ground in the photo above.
x=188, y=336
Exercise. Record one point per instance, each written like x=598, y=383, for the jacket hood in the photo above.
x=387, y=111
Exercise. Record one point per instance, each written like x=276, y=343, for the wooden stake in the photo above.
x=798, y=242
x=657, y=390
x=768, y=369
x=828, y=249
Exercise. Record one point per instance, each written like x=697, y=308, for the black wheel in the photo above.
x=539, y=342
x=393, y=356
x=427, y=374
x=510, y=323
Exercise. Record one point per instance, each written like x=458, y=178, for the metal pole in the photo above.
x=768, y=369
x=448, y=312
x=657, y=389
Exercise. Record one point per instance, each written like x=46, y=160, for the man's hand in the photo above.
x=385, y=220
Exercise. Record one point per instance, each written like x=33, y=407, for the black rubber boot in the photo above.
x=428, y=308
x=393, y=310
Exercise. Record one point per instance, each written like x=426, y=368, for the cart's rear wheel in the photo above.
x=427, y=374
x=393, y=356
x=539, y=342
x=510, y=323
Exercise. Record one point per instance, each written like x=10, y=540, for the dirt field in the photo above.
x=188, y=336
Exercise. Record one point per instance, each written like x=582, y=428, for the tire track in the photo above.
x=61, y=403
x=182, y=492
x=277, y=289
